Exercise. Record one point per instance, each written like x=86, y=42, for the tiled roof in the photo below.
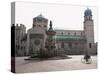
x=69, y=37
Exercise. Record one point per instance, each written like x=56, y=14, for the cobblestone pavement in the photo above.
x=74, y=63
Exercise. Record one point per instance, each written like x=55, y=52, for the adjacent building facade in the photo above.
x=20, y=40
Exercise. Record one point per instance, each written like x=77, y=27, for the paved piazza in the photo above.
x=74, y=63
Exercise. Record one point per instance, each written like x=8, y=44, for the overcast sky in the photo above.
x=67, y=17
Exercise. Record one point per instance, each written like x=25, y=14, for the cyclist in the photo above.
x=87, y=57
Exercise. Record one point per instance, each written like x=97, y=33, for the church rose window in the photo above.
x=37, y=42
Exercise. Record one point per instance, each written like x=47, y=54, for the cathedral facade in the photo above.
x=71, y=41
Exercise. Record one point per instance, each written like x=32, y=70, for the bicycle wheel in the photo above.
x=89, y=61
x=83, y=60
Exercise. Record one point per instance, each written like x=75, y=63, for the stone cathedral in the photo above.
x=71, y=41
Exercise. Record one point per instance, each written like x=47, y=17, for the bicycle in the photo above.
x=86, y=61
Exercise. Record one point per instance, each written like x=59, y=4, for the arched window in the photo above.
x=45, y=26
x=39, y=25
x=84, y=27
x=75, y=33
x=68, y=33
x=62, y=45
x=76, y=45
x=81, y=33
x=70, y=45
x=90, y=45
x=62, y=33
x=34, y=25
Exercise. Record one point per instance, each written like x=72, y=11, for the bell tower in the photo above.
x=36, y=35
x=89, y=28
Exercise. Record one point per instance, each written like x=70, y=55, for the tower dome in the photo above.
x=88, y=12
x=40, y=16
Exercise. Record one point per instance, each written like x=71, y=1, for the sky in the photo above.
x=63, y=16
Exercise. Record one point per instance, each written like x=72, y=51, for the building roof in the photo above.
x=68, y=31
x=88, y=12
x=40, y=16
x=62, y=30
x=69, y=37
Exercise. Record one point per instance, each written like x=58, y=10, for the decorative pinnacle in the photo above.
x=50, y=24
x=87, y=7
